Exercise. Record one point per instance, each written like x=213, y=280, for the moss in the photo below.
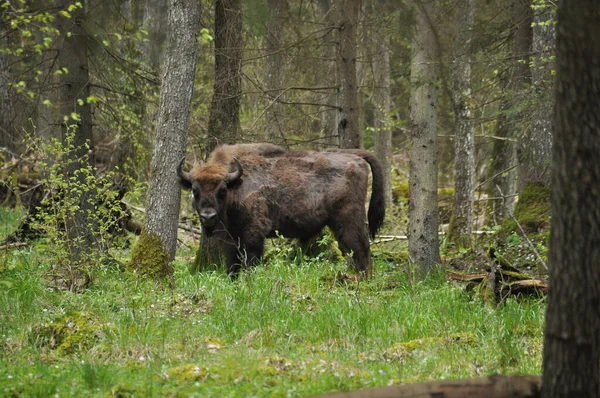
x=208, y=257
x=73, y=332
x=401, y=350
x=486, y=294
x=188, y=373
x=121, y=391
x=400, y=190
x=532, y=210
x=394, y=257
x=149, y=256
x=461, y=241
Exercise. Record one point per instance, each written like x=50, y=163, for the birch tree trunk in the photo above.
x=224, y=119
x=156, y=246
x=275, y=112
x=349, y=126
x=459, y=231
x=423, y=241
x=571, y=358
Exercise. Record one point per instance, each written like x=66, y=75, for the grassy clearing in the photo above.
x=292, y=328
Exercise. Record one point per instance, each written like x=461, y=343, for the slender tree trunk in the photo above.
x=7, y=111
x=224, y=118
x=505, y=160
x=329, y=113
x=572, y=338
x=536, y=147
x=156, y=246
x=349, y=126
x=464, y=131
x=423, y=242
x=275, y=113
x=383, y=107
x=73, y=92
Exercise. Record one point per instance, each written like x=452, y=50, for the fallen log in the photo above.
x=500, y=281
x=487, y=387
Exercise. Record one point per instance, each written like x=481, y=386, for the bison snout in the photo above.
x=208, y=218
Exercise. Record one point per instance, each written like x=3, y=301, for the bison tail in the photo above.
x=376, y=212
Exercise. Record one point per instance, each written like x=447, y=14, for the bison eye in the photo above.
x=222, y=192
x=196, y=192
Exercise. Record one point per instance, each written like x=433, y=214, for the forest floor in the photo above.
x=294, y=327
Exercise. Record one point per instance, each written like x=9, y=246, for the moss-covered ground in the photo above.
x=291, y=327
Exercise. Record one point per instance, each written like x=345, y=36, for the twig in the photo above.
x=12, y=245
x=529, y=242
x=494, y=176
x=390, y=238
x=190, y=229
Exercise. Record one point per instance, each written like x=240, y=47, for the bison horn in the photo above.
x=235, y=174
x=184, y=177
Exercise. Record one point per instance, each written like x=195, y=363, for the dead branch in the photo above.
x=487, y=387
x=13, y=245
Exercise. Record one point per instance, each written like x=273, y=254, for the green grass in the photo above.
x=280, y=330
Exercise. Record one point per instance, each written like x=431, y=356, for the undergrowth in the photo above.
x=287, y=328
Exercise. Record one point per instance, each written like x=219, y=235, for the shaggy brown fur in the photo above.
x=246, y=193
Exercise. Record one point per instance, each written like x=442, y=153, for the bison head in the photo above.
x=209, y=183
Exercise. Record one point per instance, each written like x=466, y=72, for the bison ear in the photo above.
x=236, y=172
x=184, y=177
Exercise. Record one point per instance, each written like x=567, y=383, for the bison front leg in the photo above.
x=245, y=254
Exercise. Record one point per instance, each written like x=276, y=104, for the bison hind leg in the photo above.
x=351, y=234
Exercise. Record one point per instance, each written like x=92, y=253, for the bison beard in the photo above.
x=246, y=193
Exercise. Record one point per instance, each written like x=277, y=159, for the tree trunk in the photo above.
x=349, y=126
x=423, y=243
x=224, y=118
x=459, y=231
x=73, y=92
x=571, y=339
x=156, y=246
x=383, y=107
x=275, y=113
x=7, y=111
x=329, y=112
x=509, y=125
x=536, y=147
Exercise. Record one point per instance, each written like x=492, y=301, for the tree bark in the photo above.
x=349, y=126
x=571, y=340
x=536, y=147
x=73, y=92
x=459, y=231
x=224, y=119
x=275, y=113
x=509, y=125
x=164, y=192
x=329, y=113
x=383, y=107
x=7, y=111
x=423, y=243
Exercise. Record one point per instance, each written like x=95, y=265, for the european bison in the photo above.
x=246, y=193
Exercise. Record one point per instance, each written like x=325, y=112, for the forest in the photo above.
x=299, y=197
